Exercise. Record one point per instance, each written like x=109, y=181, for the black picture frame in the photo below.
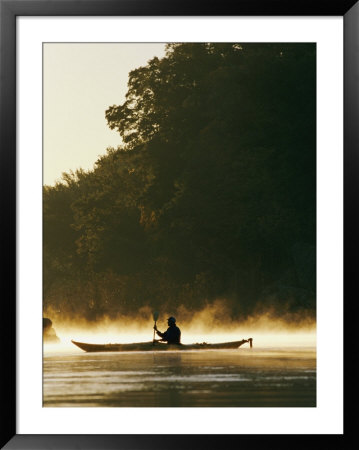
x=9, y=10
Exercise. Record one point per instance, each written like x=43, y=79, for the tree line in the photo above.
x=212, y=193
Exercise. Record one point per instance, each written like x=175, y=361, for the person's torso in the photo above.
x=173, y=335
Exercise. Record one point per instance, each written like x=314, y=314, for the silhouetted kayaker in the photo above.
x=173, y=333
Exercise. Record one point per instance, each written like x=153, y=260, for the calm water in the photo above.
x=243, y=377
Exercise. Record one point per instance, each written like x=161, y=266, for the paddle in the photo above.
x=155, y=317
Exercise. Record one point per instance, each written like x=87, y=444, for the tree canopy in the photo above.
x=211, y=195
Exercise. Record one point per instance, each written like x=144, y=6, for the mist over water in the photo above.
x=265, y=331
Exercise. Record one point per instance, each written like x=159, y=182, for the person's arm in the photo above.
x=160, y=334
x=164, y=335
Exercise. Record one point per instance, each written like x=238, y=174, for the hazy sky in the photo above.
x=80, y=82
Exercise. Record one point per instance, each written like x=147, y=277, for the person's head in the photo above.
x=171, y=321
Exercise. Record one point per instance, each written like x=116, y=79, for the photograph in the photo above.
x=179, y=205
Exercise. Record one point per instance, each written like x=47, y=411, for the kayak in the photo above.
x=158, y=346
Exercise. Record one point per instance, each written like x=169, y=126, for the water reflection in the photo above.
x=199, y=378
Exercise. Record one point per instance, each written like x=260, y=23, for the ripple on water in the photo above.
x=196, y=379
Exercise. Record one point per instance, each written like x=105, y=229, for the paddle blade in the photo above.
x=155, y=315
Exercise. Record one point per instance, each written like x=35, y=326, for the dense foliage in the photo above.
x=211, y=195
